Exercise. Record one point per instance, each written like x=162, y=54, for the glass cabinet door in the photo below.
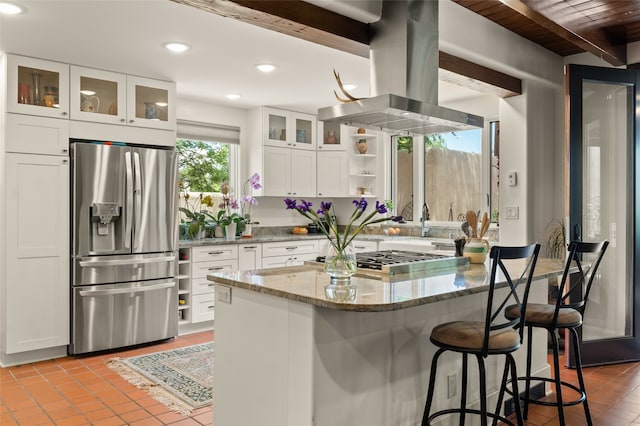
x=275, y=129
x=330, y=137
x=98, y=96
x=304, y=132
x=151, y=103
x=37, y=87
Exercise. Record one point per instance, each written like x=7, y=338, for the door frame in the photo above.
x=619, y=349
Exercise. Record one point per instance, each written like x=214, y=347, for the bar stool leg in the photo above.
x=576, y=346
x=514, y=387
x=463, y=390
x=527, y=389
x=432, y=381
x=483, y=390
x=556, y=369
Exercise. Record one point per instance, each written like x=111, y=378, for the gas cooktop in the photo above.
x=400, y=261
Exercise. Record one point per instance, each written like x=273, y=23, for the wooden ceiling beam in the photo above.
x=309, y=22
x=594, y=42
x=295, y=18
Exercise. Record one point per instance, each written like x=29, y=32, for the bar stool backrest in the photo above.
x=516, y=273
x=568, y=296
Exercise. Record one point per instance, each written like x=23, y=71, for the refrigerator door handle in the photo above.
x=137, y=195
x=116, y=262
x=126, y=290
x=129, y=211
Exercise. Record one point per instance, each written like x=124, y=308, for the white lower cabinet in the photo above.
x=359, y=246
x=196, y=300
x=250, y=257
x=288, y=253
x=36, y=247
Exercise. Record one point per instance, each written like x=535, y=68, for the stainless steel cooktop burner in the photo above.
x=397, y=261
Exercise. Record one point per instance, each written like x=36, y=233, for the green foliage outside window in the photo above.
x=405, y=143
x=202, y=166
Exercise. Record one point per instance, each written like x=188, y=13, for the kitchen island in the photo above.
x=288, y=355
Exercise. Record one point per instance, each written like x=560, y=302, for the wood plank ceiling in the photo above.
x=568, y=27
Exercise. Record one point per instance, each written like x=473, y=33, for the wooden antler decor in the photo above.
x=349, y=98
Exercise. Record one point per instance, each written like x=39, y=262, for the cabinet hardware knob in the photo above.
x=64, y=161
x=209, y=307
x=122, y=120
x=130, y=121
x=64, y=112
x=65, y=150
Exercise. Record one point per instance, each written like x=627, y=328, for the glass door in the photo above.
x=98, y=96
x=603, y=205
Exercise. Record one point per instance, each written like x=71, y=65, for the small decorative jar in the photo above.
x=331, y=138
x=362, y=146
x=476, y=250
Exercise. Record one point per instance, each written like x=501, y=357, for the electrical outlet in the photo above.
x=453, y=385
x=223, y=294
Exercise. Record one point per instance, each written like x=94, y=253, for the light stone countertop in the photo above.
x=294, y=237
x=375, y=293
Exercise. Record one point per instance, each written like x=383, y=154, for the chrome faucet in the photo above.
x=424, y=219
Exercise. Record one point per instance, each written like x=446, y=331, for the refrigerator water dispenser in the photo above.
x=104, y=217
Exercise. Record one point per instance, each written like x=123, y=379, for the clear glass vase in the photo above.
x=340, y=264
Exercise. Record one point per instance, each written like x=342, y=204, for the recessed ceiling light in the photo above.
x=349, y=86
x=232, y=96
x=266, y=67
x=88, y=92
x=177, y=47
x=9, y=9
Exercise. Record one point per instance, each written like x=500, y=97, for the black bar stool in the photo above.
x=567, y=313
x=492, y=336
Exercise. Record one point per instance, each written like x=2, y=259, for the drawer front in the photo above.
x=222, y=252
x=364, y=246
x=283, y=261
x=201, y=286
x=203, y=307
x=202, y=269
x=289, y=248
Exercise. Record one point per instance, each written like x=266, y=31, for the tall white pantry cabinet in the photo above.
x=43, y=105
x=34, y=216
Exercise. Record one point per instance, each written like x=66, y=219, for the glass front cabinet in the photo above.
x=151, y=103
x=37, y=87
x=114, y=98
x=98, y=96
x=289, y=129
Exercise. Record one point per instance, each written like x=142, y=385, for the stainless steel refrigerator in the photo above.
x=124, y=245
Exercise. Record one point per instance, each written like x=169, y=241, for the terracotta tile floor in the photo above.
x=84, y=391
x=613, y=392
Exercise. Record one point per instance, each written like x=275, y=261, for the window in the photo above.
x=207, y=157
x=449, y=173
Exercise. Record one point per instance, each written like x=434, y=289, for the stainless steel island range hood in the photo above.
x=404, y=76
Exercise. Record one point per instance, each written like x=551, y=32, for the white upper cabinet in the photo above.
x=98, y=96
x=151, y=103
x=37, y=87
x=288, y=129
x=332, y=137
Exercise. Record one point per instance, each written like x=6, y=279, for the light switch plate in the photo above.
x=512, y=178
x=223, y=294
x=511, y=212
